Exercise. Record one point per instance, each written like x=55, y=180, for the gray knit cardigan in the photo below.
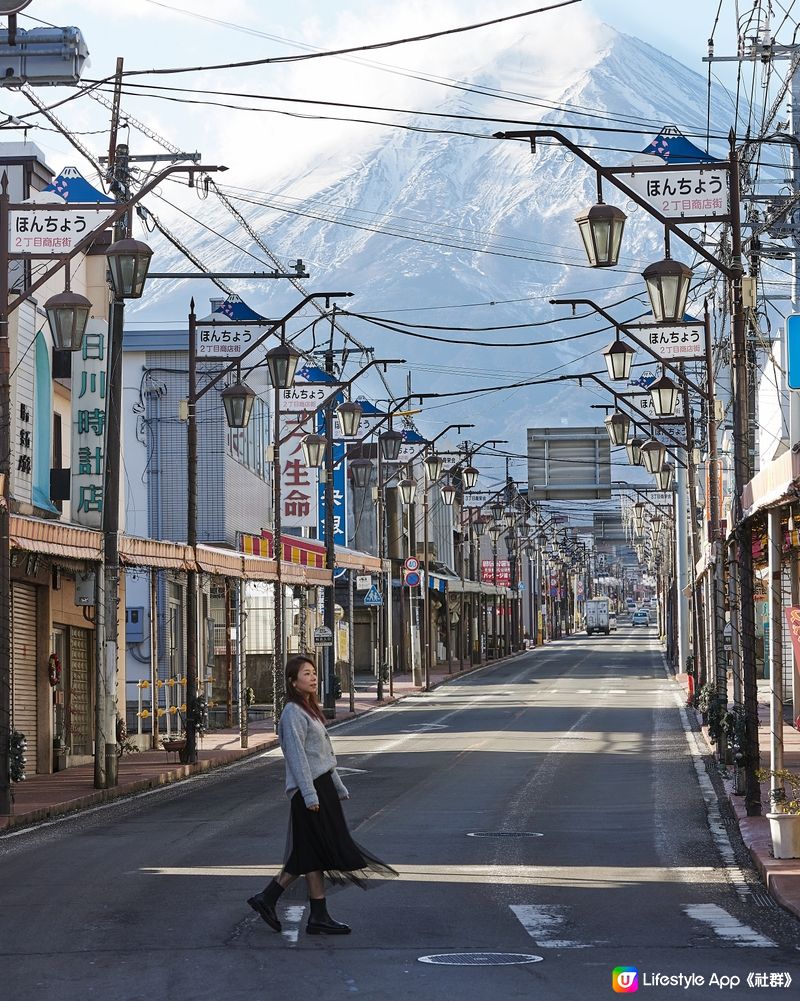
x=308, y=752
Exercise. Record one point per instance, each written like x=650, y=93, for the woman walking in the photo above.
x=320, y=846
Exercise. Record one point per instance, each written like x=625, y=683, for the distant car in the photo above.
x=612, y=622
x=640, y=618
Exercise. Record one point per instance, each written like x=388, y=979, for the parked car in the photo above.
x=612, y=621
x=640, y=618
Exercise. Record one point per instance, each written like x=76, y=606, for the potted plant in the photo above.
x=784, y=821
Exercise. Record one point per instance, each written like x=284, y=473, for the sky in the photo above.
x=152, y=33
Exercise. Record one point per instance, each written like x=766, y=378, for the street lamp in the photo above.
x=510, y=517
x=469, y=477
x=652, y=455
x=361, y=470
x=655, y=526
x=665, y=476
x=619, y=358
x=480, y=526
x=601, y=231
x=238, y=400
x=496, y=509
x=390, y=444
x=618, y=425
x=664, y=393
x=638, y=517
x=128, y=262
x=348, y=414
x=448, y=494
x=282, y=361
x=67, y=315
x=495, y=531
x=408, y=490
x=314, y=450
x=433, y=464
x=633, y=446
x=668, y=287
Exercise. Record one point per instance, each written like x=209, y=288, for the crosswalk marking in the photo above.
x=727, y=926
x=543, y=923
x=292, y=917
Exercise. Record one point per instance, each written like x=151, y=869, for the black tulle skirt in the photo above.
x=319, y=841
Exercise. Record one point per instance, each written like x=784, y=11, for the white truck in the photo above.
x=596, y=613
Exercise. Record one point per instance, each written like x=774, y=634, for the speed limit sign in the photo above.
x=412, y=564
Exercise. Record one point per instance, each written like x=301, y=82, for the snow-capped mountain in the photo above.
x=466, y=231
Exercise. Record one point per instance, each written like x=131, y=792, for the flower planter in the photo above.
x=785, y=831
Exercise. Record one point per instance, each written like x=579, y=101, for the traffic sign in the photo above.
x=412, y=563
x=411, y=578
x=323, y=636
x=372, y=598
x=363, y=583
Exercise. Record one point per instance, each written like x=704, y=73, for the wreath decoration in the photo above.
x=54, y=669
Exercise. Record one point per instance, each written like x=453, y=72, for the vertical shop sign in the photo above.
x=89, y=425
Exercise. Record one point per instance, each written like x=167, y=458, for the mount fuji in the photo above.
x=466, y=232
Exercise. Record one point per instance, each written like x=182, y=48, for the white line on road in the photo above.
x=727, y=926
x=543, y=922
x=292, y=917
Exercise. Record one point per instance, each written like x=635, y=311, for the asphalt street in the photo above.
x=556, y=816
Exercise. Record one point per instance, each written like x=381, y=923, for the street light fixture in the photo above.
x=480, y=527
x=510, y=517
x=361, y=470
x=652, y=455
x=496, y=508
x=128, y=262
x=314, y=450
x=618, y=425
x=348, y=414
x=668, y=287
x=665, y=476
x=448, y=493
x=619, y=358
x=601, y=231
x=390, y=444
x=638, y=517
x=633, y=447
x=664, y=393
x=238, y=400
x=67, y=315
x=495, y=531
x=433, y=464
x=469, y=477
x=282, y=361
x=408, y=490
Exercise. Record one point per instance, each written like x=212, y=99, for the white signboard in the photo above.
x=89, y=368
x=39, y=231
x=305, y=397
x=363, y=583
x=687, y=191
x=299, y=483
x=476, y=498
x=678, y=342
x=644, y=402
x=223, y=340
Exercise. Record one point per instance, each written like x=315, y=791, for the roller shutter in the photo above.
x=23, y=666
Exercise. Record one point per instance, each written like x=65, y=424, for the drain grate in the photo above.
x=504, y=834
x=762, y=899
x=480, y=959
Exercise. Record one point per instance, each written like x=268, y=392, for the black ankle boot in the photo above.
x=264, y=904
x=321, y=923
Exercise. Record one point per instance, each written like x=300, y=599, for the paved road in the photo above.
x=605, y=846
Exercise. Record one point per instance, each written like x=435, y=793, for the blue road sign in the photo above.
x=373, y=597
x=793, y=350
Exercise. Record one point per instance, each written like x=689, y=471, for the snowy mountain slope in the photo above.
x=483, y=221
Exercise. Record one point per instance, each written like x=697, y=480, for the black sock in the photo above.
x=319, y=912
x=271, y=894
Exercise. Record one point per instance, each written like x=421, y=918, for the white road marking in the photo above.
x=727, y=926
x=584, y=691
x=617, y=691
x=292, y=916
x=543, y=923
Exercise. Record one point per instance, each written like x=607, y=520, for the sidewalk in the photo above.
x=40, y=797
x=780, y=876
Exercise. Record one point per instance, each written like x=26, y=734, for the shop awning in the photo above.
x=772, y=485
x=137, y=552
x=352, y=559
x=34, y=535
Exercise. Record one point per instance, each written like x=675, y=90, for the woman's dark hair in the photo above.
x=293, y=667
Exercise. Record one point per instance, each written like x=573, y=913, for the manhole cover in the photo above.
x=504, y=834
x=480, y=959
